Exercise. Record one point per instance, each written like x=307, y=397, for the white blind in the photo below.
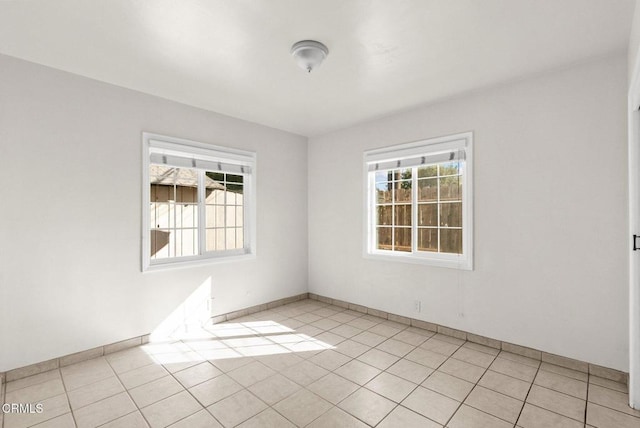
x=196, y=163
x=430, y=159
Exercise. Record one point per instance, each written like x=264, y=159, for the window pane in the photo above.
x=427, y=189
x=402, y=191
x=451, y=188
x=384, y=215
x=383, y=176
x=239, y=237
x=215, y=195
x=186, y=242
x=234, y=178
x=450, y=168
x=215, y=176
x=403, y=215
x=383, y=238
x=231, y=216
x=230, y=238
x=427, y=239
x=159, y=244
x=402, y=239
x=239, y=217
x=428, y=171
x=451, y=214
x=383, y=192
x=402, y=174
x=427, y=215
x=451, y=241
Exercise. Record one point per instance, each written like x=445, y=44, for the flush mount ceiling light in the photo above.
x=309, y=54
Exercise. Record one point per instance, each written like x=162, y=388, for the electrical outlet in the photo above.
x=417, y=305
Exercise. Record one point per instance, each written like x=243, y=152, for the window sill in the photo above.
x=451, y=262
x=195, y=262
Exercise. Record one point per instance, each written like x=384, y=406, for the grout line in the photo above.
x=524, y=402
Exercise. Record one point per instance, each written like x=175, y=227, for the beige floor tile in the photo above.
x=333, y=388
x=472, y=356
x=405, y=418
x=267, y=419
x=450, y=339
x=392, y=387
x=95, y=392
x=337, y=418
x=604, y=417
x=347, y=331
x=514, y=369
x=329, y=338
x=369, y=339
x=129, y=359
x=227, y=364
x=616, y=386
x=566, y=385
x=104, y=411
x=274, y=388
x=410, y=337
x=440, y=346
x=506, y=385
x=378, y=359
x=613, y=399
x=574, y=374
x=426, y=358
x=214, y=390
x=35, y=393
x=362, y=323
x=432, y=405
x=171, y=409
x=156, y=390
x=468, y=417
x=201, y=419
x=305, y=373
x=358, y=372
x=52, y=408
x=302, y=407
x=63, y=421
x=395, y=347
x=330, y=359
x=197, y=374
x=385, y=330
x=32, y=380
x=280, y=362
x=517, y=358
x=85, y=373
x=251, y=373
x=237, y=408
x=367, y=406
x=460, y=369
x=410, y=371
x=342, y=318
x=494, y=403
x=448, y=385
x=557, y=402
x=536, y=417
x=142, y=375
x=132, y=420
x=351, y=348
x=325, y=324
x=482, y=348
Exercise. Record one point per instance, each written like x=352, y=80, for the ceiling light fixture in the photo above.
x=309, y=54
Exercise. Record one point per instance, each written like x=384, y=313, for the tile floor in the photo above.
x=309, y=364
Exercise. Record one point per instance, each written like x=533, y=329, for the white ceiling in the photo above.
x=232, y=56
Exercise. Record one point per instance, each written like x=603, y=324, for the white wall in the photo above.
x=550, y=215
x=70, y=174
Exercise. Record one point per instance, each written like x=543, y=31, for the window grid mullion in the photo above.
x=414, y=210
x=201, y=224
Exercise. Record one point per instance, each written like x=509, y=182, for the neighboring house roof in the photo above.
x=167, y=176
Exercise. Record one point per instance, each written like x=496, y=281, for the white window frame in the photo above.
x=161, y=144
x=432, y=146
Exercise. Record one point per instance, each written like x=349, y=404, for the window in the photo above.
x=419, y=202
x=198, y=202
